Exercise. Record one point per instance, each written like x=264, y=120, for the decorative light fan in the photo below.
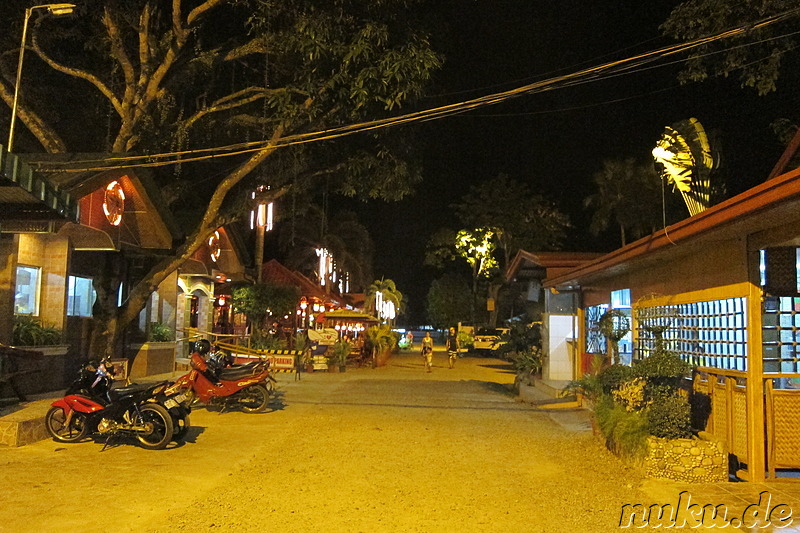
x=683, y=157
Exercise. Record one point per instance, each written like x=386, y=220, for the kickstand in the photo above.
x=107, y=442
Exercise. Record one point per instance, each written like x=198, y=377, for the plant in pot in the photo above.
x=339, y=352
x=160, y=332
x=29, y=331
x=381, y=340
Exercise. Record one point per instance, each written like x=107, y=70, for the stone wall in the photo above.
x=698, y=460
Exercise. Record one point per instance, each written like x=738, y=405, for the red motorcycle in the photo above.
x=92, y=406
x=246, y=386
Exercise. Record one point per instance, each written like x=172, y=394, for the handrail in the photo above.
x=721, y=371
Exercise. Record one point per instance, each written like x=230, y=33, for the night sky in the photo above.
x=555, y=141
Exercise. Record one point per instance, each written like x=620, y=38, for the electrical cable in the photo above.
x=614, y=68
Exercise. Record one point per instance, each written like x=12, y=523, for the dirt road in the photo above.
x=392, y=449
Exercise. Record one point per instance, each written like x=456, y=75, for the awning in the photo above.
x=193, y=267
x=28, y=196
x=86, y=238
x=346, y=314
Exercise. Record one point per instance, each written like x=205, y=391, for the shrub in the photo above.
x=613, y=376
x=29, y=331
x=630, y=395
x=160, y=332
x=520, y=338
x=526, y=362
x=625, y=432
x=670, y=418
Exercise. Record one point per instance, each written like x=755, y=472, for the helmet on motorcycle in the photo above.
x=202, y=346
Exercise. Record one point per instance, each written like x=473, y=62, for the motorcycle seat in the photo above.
x=130, y=389
x=238, y=372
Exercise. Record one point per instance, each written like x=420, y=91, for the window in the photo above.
x=26, y=293
x=595, y=342
x=710, y=333
x=621, y=301
x=80, y=296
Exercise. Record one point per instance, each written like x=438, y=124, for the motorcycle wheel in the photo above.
x=254, y=399
x=55, y=422
x=161, y=428
x=181, y=427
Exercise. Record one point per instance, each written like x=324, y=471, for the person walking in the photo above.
x=427, y=350
x=452, y=347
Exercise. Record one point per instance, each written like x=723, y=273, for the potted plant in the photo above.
x=160, y=332
x=382, y=340
x=29, y=331
x=339, y=352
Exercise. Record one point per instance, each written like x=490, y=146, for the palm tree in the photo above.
x=629, y=196
x=389, y=293
x=344, y=237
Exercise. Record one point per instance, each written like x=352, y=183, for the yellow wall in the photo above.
x=51, y=255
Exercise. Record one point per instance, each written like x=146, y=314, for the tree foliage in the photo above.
x=144, y=77
x=449, y=301
x=628, y=195
x=756, y=58
x=343, y=235
x=520, y=218
x=261, y=300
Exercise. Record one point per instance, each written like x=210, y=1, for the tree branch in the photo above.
x=40, y=129
x=159, y=272
x=145, y=55
x=118, y=50
x=77, y=73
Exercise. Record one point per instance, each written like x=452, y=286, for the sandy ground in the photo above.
x=392, y=449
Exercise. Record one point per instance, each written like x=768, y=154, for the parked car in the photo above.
x=488, y=339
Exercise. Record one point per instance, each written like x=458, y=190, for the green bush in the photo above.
x=526, y=362
x=670, y=418
x=613, y=376
x=519, y=339
x=160, y=332
x=625, y=432
x=29, y=331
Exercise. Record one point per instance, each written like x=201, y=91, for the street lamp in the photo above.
x=261, y=219
x=56, y=10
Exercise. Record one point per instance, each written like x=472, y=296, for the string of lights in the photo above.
x=614, y=68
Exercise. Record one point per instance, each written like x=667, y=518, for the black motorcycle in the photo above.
x=154, y=413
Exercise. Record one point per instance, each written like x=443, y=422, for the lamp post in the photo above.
x=53, y=9
x=261, y=218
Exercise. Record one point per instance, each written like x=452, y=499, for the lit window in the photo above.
x=80, y=296
x=621, y=299
x=26, y=294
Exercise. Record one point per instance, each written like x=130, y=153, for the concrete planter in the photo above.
x=151, y=358
x=698, y=460
x=49, y=351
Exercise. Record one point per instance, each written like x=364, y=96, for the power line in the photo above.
x=613, y=68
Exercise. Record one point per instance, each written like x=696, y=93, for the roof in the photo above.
x=774, y=203
x=546, y=263
x=274, y=272
x=30, y=197
x=346, y=314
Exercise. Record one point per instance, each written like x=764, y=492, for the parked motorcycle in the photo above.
x=246, y=386
x=91, y=406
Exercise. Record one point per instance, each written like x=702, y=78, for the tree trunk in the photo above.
x=493, y=292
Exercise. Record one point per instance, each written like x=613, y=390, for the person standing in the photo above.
x=452, y=347
x=427, y=350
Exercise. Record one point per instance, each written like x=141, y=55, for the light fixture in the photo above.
x=56, y=10
x=114, y=203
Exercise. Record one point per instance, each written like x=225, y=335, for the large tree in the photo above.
x=521, y=218
x=627, y=195
x=755, y=58
x=449, y=301
x=184, y=75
